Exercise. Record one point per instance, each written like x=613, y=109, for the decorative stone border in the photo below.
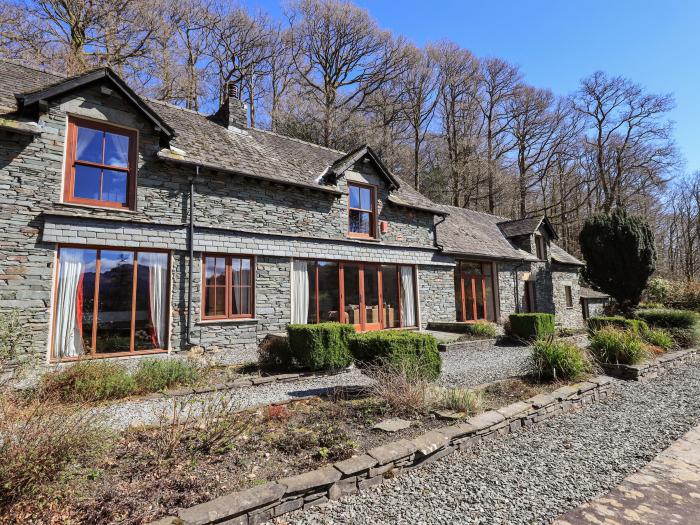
x=650, y=369
x=241, y=382
x=262, y=503
x=468, y=344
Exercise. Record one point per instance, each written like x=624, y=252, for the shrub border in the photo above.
x=264, y=502
x=652, y=368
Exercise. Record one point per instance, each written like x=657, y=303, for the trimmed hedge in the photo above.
x=667, y=318
x=531, y=326
x=323, y=346
x=636, y=325
x=412, y=351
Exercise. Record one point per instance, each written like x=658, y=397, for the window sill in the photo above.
x=242, y=320
x=95, y=207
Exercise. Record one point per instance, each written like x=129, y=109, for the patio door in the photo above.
x=471, y=291
x=362, y=295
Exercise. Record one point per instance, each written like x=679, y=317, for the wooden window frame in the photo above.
x=568, y=296
x=363, y=312
x=69, y=171
x=473, y=283
x=372, y=213
x=540, y=249
x=93, y=351
x=228, y=285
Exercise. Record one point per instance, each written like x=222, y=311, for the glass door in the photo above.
x=371, y=293
x=352, y=299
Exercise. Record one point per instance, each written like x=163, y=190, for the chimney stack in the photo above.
x=233, y=112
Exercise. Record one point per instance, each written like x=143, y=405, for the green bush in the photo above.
x=685, y=337
x=154, y=375
x=636, y=325
x=322, y=346
x=612, y=345
x=667, y=318
x=400, y=348
x=551, y=360
x=660, y=338
x=88, y=381
x=531, y=326
x=274, y=353
x=482, y=329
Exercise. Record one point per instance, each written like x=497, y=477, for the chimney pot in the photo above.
x=233, y=112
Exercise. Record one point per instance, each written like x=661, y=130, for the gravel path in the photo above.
x=148, y=411
x=534, y=476
x=470, y=368
x=460, y=368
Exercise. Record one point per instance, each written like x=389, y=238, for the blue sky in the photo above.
x=556, y=43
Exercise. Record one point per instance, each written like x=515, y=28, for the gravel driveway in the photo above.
x=534, y=476
x=474, y=367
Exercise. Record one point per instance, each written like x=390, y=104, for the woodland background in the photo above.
x=465, y=130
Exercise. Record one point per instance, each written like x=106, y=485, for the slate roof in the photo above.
x=527, y=226
x=562, y=256
x=477, y=234
x=16, y=78
x=590, y=293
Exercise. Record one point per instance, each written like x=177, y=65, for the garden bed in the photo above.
x=147, y=472
x=650, y=369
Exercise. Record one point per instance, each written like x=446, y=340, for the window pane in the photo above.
x=490, y=313
x=89, y=145
x=215, y=271
x=209, y=300
x=371, y=295
x=352, y=293
x=468, y=297
x=220, y=299
x=87, y=182
x=114, y=186
x=152, y=305
x=241, y=300
x=114, y=308
x=354, y=196
x=479, y=288
x=328, y=291
x=75, y=302
x=360, y=222
x=390, y=296
x=311, y=271
x=116, y=150
x=365, y=198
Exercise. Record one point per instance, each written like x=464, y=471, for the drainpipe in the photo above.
x=190, y=242
x=517, y=292
x=435, y=235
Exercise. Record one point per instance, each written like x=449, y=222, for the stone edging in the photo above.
x=650, y=369
x=241, y=382
x=468, y=344
x=262, y=503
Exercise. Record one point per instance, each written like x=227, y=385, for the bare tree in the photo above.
x=341, y=56
x=499, y=81
x=629, y=137
x=418, y=84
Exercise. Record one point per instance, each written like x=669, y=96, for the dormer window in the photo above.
x=100, y=164
x=361, y=211
x=540, y=247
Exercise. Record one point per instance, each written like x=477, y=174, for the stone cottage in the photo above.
x=133, y=227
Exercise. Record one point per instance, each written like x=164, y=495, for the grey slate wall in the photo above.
x=437, y=296
x=566, y=276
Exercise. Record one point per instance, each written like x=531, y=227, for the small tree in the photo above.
x=620, y=255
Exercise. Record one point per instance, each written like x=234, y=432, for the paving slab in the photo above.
x=667, y=490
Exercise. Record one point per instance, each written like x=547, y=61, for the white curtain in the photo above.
x=300, y=292
x=67, y=339
x=157, y=293
x=408, y=302
x=236, y=270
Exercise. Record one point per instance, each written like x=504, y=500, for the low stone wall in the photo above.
x=651, y=369
x=469, y=344
x=262, y=503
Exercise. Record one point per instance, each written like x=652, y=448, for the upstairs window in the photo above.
x=539, y=246
x=569, y=297
x=100, y=164
x=361, y=211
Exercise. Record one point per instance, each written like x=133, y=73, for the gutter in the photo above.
x=190, y=242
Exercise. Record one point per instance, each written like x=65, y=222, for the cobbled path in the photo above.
x=533, y=476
